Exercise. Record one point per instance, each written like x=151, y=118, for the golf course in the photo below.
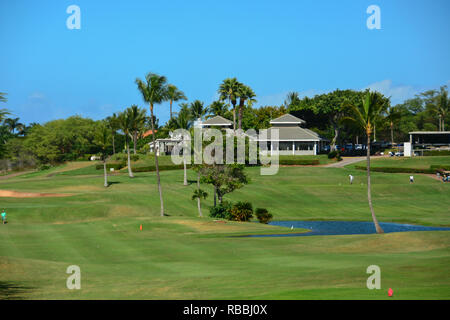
x=69, y=218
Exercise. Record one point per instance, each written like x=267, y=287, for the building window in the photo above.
x=304, y=146
x=285, y=146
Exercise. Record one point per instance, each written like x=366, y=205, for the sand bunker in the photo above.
x=16, y=194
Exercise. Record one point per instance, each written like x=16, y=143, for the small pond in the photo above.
x=322, y=228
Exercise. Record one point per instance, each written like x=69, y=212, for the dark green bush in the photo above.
x=241, y=211
x=303, y=162
x=396, y=170
x=161, y=168
x=124, y=157
x=221, y=211
x=43, y=167
x=333, y=154
x=115, y=166
x=436, y=153
x=440, y=167
x=263, y=215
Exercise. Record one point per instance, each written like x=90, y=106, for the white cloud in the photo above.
x=37, y=97
x=398, y=93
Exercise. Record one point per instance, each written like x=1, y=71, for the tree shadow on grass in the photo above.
x=12, y=290
x=110, y=183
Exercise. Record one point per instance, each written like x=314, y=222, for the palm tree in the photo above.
x=292, y=99
x=102, y=140
x=199, y=194
x=3, y=97
x=442, y=107
x=184, y=121
x=217, y=108
x=3, y=112
x=197, y=109
x=365, y=115
x=229, y=89
x=125, y=126
x=13, y=123
x=174, y=95
x=113, y=125
x=393, y=114
x=245, y=94
x=137, y=118
x=154, y=91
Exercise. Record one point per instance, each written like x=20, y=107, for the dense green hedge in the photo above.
x=436, y=153
x=115, y=166
x=161, y=168
x=440, y=167
x=303, y=162
x=397, y=170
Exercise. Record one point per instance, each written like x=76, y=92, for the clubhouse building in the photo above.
x=285, y=136
x=292, y=138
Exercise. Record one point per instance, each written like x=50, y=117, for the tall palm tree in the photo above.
x=365, y=115
x=102, y=138
x=442, y=106
x=184, y=121
x=138, y=119
x=245, y=94
x=125, y=126
x=197, y=109
x=154, y=91
x=174, y=94
x=217, y=108
x=393, y=115
x=113, y=125
x=229, y=89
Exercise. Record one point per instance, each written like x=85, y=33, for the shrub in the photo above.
x=85, y=157
x=263, y=215
x=43, y=167
x=124, y=157
x=304, y=162
x=116, y=166
x=437, y=153
x=221, y=211
x=161, y=168
x=396, y=170
x=241, y=211
x=332, y=154
x=440, y=167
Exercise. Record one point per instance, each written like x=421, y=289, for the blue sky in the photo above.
x=51, y=72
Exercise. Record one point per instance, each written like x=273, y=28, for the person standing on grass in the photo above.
x=351, y=178
x=3, y=216
x=411, y=179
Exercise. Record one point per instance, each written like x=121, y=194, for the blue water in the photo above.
x=322, y=228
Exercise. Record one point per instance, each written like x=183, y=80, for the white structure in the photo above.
x=407, y=149
x=292, y=138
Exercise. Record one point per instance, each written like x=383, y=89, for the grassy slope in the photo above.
x=185, y=257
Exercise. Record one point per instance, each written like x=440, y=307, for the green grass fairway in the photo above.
x=182, y=256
